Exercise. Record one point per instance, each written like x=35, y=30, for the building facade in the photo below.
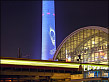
x=48, y=30
x=91, y=43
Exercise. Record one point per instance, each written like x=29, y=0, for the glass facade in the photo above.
x=91, y=44
x=97, y=74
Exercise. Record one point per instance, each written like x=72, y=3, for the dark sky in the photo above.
x=21, y=23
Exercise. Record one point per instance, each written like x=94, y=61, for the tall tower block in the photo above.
x=48, y=30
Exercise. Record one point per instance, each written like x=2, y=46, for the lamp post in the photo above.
x=79, y=60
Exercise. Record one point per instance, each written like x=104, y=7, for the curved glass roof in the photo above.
x=89, y=42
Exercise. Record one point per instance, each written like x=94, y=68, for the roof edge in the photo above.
x=76, y=31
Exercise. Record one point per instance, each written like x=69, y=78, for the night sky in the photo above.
x=21, y=23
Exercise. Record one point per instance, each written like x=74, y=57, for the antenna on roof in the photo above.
x=19, y=53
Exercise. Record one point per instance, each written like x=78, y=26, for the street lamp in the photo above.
x=79, y=60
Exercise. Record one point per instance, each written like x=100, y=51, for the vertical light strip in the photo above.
x=48, y=30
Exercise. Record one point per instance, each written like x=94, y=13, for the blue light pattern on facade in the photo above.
x=48, y=30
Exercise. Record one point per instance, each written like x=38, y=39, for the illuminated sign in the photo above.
x=48, y=30
x=92, y=67
x=96, y=73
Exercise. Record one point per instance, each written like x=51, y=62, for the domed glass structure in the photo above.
x=91, y=43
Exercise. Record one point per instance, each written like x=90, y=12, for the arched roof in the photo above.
x=73, y=33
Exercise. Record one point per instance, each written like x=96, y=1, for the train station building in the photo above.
x=81, y=57
x=90, y=42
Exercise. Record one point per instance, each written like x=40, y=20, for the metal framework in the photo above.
x=90, y=42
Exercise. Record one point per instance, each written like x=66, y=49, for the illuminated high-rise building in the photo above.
x=48, y=30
